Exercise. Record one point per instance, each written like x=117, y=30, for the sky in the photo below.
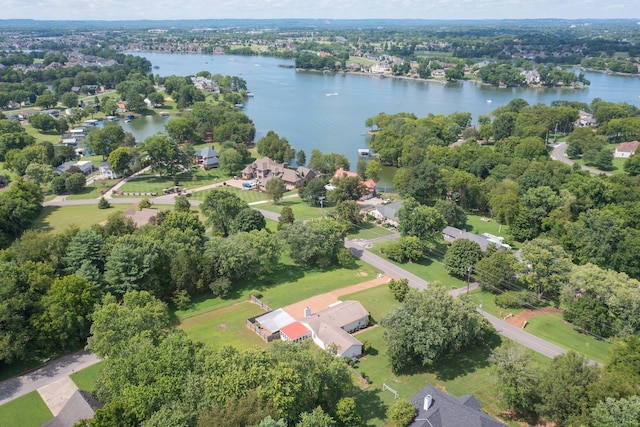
x=330, y=9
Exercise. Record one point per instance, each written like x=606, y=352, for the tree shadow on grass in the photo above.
x=370, y=406
x=465, y=362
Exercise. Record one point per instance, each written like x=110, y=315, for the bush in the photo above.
x=220, y=287
x=103, y=203
x=75, y=182
x=181, y=299
x=256, y=293
x=513, y=299
x=399, y=289
x=346, y=258
x=144, y=203
x=402, y=413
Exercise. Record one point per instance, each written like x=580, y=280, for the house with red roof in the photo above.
x=626, y=149
x=369, y=184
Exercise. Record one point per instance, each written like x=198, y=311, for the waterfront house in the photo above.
x=206, y=158
x=265, y=169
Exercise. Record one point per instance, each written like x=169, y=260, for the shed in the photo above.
x=275, y=320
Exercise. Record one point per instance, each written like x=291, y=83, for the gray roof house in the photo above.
x=80, y=406
x=387, y=213
x=451, y=234
x=439, y=409
x=207, y=158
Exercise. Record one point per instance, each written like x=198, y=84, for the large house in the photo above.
x=451, y=234
x=206, y=158
x=437, y=408
x=387, y=213
x=264, y=169
x=331, y=326
x=626, y=149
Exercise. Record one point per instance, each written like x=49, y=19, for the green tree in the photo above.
x=276, y=148
x=103, y=203
x=616, y=412
x=316, y=241
x=346, y=188
x=428, y=326
x=164, y=154
x=313, y=192
x=221, y=207
x=248, y=219
x=121, y=160
x=315, y=418
x=373, y=170
x=497, y=272
x=75, y=182
x=399, y=288
x=69, y=99
x=106, y=140
x=46, y=100
x=452, y=213
x=182, y=204
x=406, y=248
x=182, y=129
x=231, y=161
x=115, y=323
x=65, y=321
x=517, y=378
x=286, y=217
x=402, y=412
x=275, y=188
x=632, y=165
x=564, y=387
x=546, y=266
x=42, y=174
x=301, y=158
x=461, y=255
x=348, y=211
x=420, y=221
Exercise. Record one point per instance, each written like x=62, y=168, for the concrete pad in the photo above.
x=57, y=394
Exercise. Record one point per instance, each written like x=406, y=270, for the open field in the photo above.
x=287, y=284
x=93, y=190
x=86, y=378
x=430, y=269
x=225, y=326
x=301, y=210
x=26, y=411
x=191, y=179
x=246, y=195
x=52, y=136
x=57, y=219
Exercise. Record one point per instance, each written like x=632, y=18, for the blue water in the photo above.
x=328, y=111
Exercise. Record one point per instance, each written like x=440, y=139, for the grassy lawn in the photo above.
x=26, y=411
x=368, y=231
x=52, y=137
x=246, y=195
x=488, y=302
x=57, y=218
x=287, y=284
x=301, y=210
x=93, y=190
x=468, y=373
x=553, y=328
x=476, y=224
x=86, y=378
x=429, y=269
x=191, y=179
x=225, y=326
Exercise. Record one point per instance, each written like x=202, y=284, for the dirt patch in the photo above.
x=520, y=318
x=320, y=302
x=362, y=274
x=221, y=326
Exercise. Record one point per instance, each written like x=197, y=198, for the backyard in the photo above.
x=26, y=411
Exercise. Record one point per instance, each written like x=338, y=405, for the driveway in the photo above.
x=560, y=153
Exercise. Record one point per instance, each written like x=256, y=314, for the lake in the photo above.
x=328, y=111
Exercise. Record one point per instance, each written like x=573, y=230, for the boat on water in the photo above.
x=250, y=94
x=489, y=101
x=239, y=105
x=331, y=94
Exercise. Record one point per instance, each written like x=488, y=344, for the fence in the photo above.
x=255, y=328
x=264, y=306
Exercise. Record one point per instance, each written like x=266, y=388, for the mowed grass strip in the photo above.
x=430, y=269
x=553, y=328
x=93, y=190
x=26, y=411
x=86, y=378
x=225, y=326
x=191, y=179
x=58, y=218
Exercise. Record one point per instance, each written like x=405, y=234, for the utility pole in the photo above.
x=468, y=278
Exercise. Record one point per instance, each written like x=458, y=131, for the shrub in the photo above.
x=402, y=412
x=103, y=203
x=345, y=258
x=220, y=287
x=399, y=289
x=514, y=299
x=144, y=203
x=181, y=299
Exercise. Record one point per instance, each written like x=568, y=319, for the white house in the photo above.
x=626, y=149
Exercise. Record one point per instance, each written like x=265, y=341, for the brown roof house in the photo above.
x=626, y=149
x=265, y=169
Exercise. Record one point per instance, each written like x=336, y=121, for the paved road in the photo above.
x=59, y=368
x=503, y=328
x=560, y=153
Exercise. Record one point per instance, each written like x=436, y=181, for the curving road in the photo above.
x=560, y=153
